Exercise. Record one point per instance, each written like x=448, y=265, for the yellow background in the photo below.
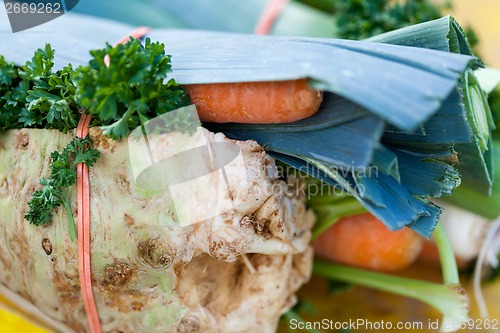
x=484, y=17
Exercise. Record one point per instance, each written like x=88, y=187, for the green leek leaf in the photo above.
x=379, y=193
x=479, y=203
x=373, y=81
x=357, y=73
x=475, y=156
x=444, y=34
x=348, y=146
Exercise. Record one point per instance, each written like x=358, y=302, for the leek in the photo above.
x=481, y=204
x=379, y=193
x=475, y=156
x=361, y=83
x=466, y=197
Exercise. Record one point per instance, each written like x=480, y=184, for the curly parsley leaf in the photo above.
x=56, y=190
x=42, y=204
x=359, y=19
x=8, y=74
x=131, y=90
x=34, y=96
x=51, y=102
x=40, y=65
x=10, y=95
x=121, y=96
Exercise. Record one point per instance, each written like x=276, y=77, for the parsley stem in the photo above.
x=71, y=220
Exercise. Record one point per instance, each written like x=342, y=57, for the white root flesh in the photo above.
x=466, y=231
x=237, y=272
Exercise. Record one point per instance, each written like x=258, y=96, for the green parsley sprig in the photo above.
x=56, y=190
x=33, y=96
x=12, y=95
x=131, y=90
x=358, y=19
x=121, y=96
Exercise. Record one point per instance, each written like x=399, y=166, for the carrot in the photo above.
x=255, y=102
x=364, y=241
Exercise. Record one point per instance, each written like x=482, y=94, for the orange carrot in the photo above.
x=364, y=241
x=255, y=102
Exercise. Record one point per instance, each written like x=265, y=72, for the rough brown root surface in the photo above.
x=236, y=272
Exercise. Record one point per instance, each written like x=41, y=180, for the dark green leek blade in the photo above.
x=487, y=206
x=386, y=161
x=391, y=202
x=447, y=127
x=134, y=12
x=242, y=16
x=219, y=15
x=309, y=169
x=348, y=146
x=203, y=57
x=444, y=34
x=475, y=157
x=474, y=153
x=365, y=73
x=427, y=177
x=223, y=15
x=379, y=193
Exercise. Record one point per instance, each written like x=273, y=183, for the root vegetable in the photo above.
x=150, y=274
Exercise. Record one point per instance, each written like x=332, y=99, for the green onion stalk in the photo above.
x=449, y=297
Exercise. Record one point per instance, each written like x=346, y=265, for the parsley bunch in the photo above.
x=131, y=90
x=56, y=190
x=51, y=100
x=121, y=97
x=34, y=96
x=359, y=19
x=12, y=95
